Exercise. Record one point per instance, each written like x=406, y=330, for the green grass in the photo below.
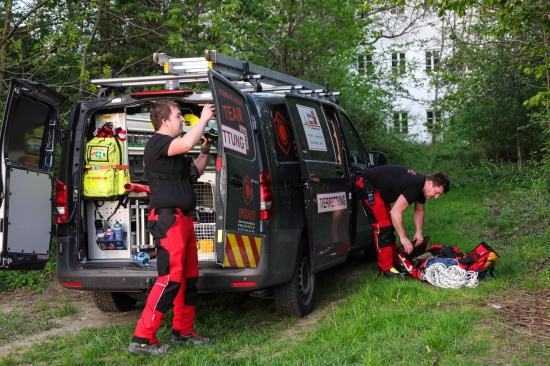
x=367, y=320
x=21, y=319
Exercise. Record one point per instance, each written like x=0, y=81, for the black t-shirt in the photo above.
x=162, y=171
x=395, y=180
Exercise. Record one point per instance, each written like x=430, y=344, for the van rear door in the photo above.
x=327, y=190
x=238, y=240
x=27, y=145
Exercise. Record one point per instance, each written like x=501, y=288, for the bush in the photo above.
x=34, y=280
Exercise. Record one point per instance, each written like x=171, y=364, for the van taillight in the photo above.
x=266, y=196
x=61, y=202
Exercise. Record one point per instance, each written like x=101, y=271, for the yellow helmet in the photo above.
x=190, y=119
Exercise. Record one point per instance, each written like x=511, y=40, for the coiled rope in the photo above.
x=450, y=277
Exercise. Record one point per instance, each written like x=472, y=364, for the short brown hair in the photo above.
x=440, y=180
x=161, y=110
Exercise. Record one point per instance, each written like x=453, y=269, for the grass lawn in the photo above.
x=364, y=319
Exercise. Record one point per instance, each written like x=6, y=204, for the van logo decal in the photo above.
x=312, y=128
x=234, y=139
x=280, y=125
x=242, y=251
x=247, y=190
x=334, y=201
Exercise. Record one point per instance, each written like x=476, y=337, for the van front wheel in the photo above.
x=113, y=301
x=297, y=296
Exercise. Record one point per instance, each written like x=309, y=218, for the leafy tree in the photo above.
x=514, y=74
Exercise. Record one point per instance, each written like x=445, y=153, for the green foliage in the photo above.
x=500, y=71
x=15, y=279
x=34, y=280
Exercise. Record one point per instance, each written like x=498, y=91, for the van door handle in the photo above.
x=340, y=171
x=236, y=181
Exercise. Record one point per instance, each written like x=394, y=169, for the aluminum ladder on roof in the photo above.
x=241, y=73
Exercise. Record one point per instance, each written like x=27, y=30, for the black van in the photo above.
x=275, y=206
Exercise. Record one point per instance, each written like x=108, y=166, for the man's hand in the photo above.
x=205, y=143
x=406, y=244
x=208, y=112
x=419, y=238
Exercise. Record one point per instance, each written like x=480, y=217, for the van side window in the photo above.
x=284, y=135
x=30, y=140
x=332, y=119
x=354, y=144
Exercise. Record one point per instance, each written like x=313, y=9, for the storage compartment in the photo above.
x=131, y=212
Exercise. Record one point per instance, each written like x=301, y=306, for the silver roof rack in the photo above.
x=246, y=76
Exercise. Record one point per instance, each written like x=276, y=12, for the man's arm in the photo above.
x=185, y=143
x=418, y=220
x=201, y=160
x=397, y=220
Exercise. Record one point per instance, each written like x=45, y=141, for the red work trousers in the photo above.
x=379, y=214
x=178, y=270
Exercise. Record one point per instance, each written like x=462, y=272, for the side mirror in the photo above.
x=377, y=158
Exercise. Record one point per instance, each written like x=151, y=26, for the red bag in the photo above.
x=481, y=259
x=414, y=262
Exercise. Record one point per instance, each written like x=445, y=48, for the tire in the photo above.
x=113, y=301
x=297, y=296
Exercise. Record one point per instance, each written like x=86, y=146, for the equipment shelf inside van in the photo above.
x=275, y=205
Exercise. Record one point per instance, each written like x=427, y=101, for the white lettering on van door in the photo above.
x=312, y=128
x=335, y=201
x=234, y=140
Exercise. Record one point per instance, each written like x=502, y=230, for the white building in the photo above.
x=409, y=47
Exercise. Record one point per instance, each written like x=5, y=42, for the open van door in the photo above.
x=27, y=149
x=327, y=189
x=238, y=240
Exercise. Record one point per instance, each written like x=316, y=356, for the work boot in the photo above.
x=191, y=338
x=147, y=349
x=401, y=269
x=393, y=273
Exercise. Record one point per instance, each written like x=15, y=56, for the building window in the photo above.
x=432, y=60
x=398, y=10
x=429, y=6
x=364, y=63
x=432, y=117
x=401, y=122
x=398, y=63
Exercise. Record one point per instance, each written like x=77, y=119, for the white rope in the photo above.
x=450, y=277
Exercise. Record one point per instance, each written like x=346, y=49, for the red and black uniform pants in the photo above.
x=379, y=215
x=178, y=271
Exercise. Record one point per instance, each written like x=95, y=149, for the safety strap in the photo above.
x=121, y=202
x=100, y=167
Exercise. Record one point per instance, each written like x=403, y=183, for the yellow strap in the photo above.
x=98, y=167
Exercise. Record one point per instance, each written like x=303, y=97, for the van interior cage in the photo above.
x=247, y=76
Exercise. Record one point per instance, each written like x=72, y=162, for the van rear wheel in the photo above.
x=297, y=296
x=113, y=301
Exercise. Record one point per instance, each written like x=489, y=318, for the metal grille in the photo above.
x=205, y=241
x=204, y=212
x=204, y=221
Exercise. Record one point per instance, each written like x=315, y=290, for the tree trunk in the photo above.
x=4, y=48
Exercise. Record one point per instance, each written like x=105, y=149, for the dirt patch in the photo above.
x=89, y=316
x=526, y=312
x=56, y=297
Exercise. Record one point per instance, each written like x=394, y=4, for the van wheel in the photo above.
x=113, y=301
x=297, y=296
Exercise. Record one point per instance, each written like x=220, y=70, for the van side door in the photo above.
x=360, y=228
x=326, y=188
x=27, y=149
x=238, y=240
